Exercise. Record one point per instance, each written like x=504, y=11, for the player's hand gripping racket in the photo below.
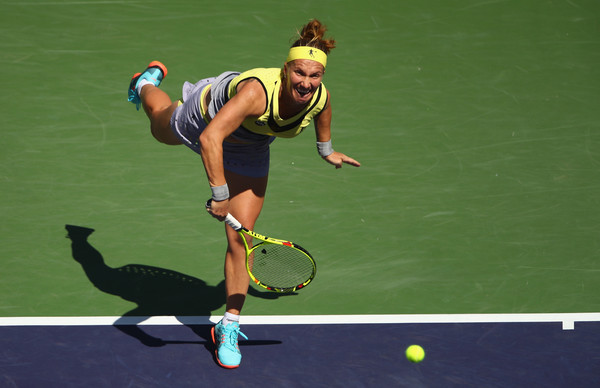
x=274, y=264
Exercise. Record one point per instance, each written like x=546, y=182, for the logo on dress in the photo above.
x=260, y=123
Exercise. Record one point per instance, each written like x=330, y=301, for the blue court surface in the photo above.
x=519, y=354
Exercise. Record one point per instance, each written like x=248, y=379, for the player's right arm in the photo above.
x=250, y=101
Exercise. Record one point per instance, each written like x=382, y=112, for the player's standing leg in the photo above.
x=246, y=201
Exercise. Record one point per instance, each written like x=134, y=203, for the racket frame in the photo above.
x=238, y=227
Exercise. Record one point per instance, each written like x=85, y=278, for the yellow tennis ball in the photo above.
x=415, y=353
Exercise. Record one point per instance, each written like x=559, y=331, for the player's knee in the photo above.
x=235, y=245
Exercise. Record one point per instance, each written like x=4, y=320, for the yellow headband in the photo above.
x=305, y=52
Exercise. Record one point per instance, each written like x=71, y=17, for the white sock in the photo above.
x=228, y=318
x=141, y=84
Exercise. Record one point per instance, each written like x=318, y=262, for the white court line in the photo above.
x=567, y=319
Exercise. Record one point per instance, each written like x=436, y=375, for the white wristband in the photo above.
x=220, y=193
x=324, y=148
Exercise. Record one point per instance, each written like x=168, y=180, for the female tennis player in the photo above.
x=230, y=121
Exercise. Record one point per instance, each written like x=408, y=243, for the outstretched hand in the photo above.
x=338, y=159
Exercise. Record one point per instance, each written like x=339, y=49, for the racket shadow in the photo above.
x=156, y=292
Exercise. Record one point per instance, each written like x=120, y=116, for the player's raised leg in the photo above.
x=143, y=91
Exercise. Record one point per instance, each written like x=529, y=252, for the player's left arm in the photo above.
x=323, y=131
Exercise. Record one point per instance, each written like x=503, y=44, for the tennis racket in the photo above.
x=274, y=264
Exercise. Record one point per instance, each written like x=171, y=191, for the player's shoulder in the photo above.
x=251, y=87
x=251, y=94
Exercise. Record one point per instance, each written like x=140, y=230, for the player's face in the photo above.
x=303, y=78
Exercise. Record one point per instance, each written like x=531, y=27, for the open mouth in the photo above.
x=303, y=92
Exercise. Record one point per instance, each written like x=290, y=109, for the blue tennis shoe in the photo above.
x=225, y=338
x=155, y=73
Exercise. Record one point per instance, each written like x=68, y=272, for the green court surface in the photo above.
x=476, y=123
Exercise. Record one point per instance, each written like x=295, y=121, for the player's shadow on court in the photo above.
x=155, y=291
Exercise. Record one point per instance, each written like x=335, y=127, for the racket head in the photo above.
x=274, y=264
x=279, y=265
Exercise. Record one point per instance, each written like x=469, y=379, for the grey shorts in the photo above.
x=248, y=159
